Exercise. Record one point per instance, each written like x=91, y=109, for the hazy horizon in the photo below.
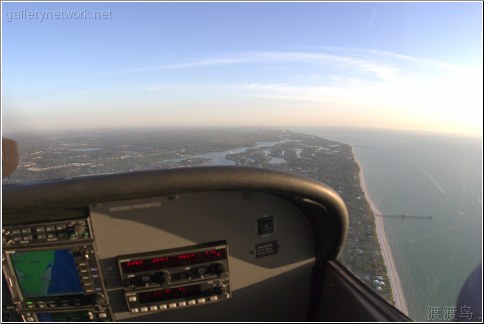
x=305, y=129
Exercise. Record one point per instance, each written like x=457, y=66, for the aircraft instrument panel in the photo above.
x=181, y=255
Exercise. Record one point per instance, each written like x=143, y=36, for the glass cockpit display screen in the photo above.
x=46, y=273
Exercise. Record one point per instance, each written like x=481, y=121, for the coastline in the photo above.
x=397, y=290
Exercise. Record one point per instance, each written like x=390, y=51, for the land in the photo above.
x=58, y=155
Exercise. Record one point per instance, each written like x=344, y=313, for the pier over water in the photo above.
x=404, y=216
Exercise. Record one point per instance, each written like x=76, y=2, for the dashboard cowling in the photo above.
x=192, y=206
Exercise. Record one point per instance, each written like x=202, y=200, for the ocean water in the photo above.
x=424, y=174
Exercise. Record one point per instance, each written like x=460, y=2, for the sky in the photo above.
x=415, y=66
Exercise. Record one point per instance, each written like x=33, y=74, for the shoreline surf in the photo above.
x=397, y=290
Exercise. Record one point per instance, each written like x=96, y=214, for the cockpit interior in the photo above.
x=188, y=244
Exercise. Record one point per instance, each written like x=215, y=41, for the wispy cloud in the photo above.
x=364, y=85
x=292, y=92
x=318, y=59
x=369, y=63
x=195, y=64
x=378, y=55
x=372, y=19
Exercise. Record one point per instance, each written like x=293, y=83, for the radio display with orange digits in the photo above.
x=171, y=261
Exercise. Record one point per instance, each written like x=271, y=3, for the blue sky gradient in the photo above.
x=390, y=65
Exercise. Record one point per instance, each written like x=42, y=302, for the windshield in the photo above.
x=381, y=101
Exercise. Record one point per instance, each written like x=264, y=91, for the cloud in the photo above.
x=194, y=64
x=378, y=55
x=381, y=87
x=331, y=85
x=437, y=97
x=317, y=59
x=372, y=19
x=367, y=63
x=300, y=93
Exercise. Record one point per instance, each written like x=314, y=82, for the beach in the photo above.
x=392, y=272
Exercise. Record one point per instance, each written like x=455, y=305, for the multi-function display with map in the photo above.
x=46, y=273
x=56, y=278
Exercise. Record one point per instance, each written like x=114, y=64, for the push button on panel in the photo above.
x=60, y=227
x=265, y=225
